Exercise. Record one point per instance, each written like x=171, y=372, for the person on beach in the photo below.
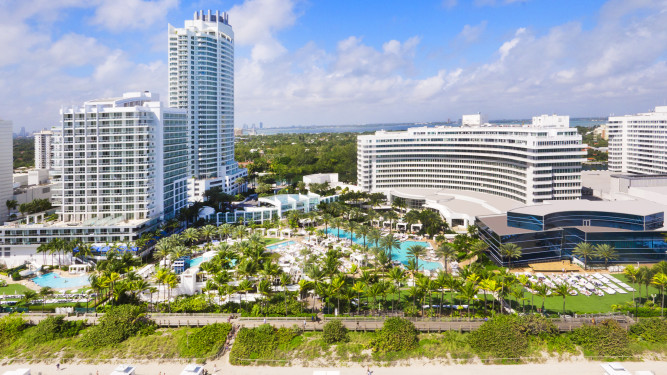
x=57, y=366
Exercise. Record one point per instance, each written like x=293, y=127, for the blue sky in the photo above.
x=301, y=62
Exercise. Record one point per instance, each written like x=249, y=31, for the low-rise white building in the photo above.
x=272, y=208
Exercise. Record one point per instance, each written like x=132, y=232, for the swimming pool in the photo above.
x=52, y=280
x=194, y=262
x=282, y=244
x=400, y=255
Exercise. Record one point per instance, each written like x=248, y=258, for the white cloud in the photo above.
x=42, y=72
x=449, y=4
x=567, y=70
x=255, y=23
x=471, y=34
x=122, y=15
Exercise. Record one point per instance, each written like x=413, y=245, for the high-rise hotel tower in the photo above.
x=201, y=79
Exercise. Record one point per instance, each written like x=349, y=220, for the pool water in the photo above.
x=194, y=262
x=282, y=244
x=52, y=280
x=400, y=255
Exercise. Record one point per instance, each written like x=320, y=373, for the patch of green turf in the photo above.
x=13, y=289
x=582, y=304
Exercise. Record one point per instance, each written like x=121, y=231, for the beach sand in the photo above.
x=551, y=367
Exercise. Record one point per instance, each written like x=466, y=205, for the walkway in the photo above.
x=352, y=323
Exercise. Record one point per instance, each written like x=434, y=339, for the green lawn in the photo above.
x=582, y=304
x=13, y=289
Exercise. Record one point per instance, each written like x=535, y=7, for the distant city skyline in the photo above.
x=327, y=63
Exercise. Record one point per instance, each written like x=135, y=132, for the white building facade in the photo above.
x=123, y=158
x=529, y=164
x=119, y=168
x=638, y=143
x=43, y=149
x=201, y=80
x=6, y=167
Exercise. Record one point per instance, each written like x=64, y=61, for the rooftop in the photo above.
x=467, y=202
x=633, y=207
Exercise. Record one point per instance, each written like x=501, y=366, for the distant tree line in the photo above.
x=288, y=157
x=24, y=152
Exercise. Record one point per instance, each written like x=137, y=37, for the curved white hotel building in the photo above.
x=524, y=163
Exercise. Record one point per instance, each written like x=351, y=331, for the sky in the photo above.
x=327, y=62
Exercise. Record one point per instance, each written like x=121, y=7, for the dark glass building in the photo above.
x=549, y=232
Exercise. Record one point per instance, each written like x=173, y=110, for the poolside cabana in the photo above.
x=286, y=231
x=79, y=268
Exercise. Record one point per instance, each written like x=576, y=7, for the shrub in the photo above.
x=259, y=343
x=334, y=331
x=16, y=276
x=397, y=334
x=205, y=342
x=11, y=327
x=650, y=330
x=501, y=337
x=54, y=327
x=534, y=325
x=118, y=324
x=607, y=338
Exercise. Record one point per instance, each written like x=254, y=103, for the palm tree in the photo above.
x=416, y=251
x=452, y=284
x=285, y=279
x=389, y=243
x=660, y=279
x=359, y=287
x=28, y=296
x=397, y=275
x=264, y=288
x=606, y=252
x=585, y=251
x=477, y=247
x=632, y=273
x=542, y=290
x=563, y=290
x=363, y=231
x=518, y=294
x=374, y=236
x=171, y=280
x=487, y=285
x=337, y=222
x=510, y=251
x=208, y=231
x=191, y=235
x=468, y=291
x=45, y=292
x=391, y=216
x=445, y=251
x=304, y=287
